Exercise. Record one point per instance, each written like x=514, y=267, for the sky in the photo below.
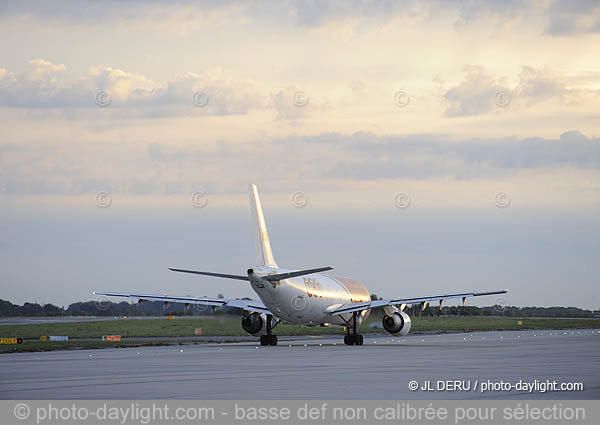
x=421, y=147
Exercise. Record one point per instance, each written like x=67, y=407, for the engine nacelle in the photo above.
x=255, y=324
x=397, y=323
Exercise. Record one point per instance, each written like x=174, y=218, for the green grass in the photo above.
x=468, y=324
x=230, y=326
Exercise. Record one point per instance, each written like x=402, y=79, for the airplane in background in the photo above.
x=305, y=297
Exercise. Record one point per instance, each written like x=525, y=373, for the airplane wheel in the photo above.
x=273, y=340
x=264, y=340
x=359, y=340
x=349, y=339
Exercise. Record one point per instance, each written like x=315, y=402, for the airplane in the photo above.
x=305, y=297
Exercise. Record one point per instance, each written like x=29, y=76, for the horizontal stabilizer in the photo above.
x=288, y=275
x=226, y=276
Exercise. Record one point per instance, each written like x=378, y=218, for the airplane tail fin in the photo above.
x=263, y=245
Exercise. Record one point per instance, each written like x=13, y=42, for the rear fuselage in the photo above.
x=308, y=299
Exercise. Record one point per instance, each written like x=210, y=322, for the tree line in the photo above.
x=157, y=308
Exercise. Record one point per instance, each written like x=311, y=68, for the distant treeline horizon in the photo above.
x=157, y=308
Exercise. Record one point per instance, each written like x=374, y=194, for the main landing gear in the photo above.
x=352, y=337
x=269, y=338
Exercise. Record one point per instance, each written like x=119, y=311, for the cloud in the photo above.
x=358, y=87
x=335, y=17
x=573, y=17
x=481, y=93
x=474, y=95
x=294, y=104
x=93, y=12
x=41, y=84
x=46, y=85
x=143, y=168
x=537, y=85
x=188, y=15
x=367, y=156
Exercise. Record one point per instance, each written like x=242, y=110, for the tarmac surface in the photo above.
x=317, y=368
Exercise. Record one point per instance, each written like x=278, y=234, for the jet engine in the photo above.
x=397, y=324
x=255, y=324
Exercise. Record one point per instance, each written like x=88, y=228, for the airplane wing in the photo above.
x=248, y=305
x=359, y=306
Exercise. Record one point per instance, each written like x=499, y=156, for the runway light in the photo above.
x=290, y=345
x=320, y=345
x=422, y=340
x=181, y=351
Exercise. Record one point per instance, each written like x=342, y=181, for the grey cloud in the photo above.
x=536, y=84
x=123, y=169
x=47, y=85
x=300, y=12
x=96, y=11
x=358, y=87
x=478, y=92
x=294, y=104
x=427, y=156
x=573, y=17
x=474, y=95
x=564, y=17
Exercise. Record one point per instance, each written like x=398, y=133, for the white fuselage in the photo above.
x=308, y=299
